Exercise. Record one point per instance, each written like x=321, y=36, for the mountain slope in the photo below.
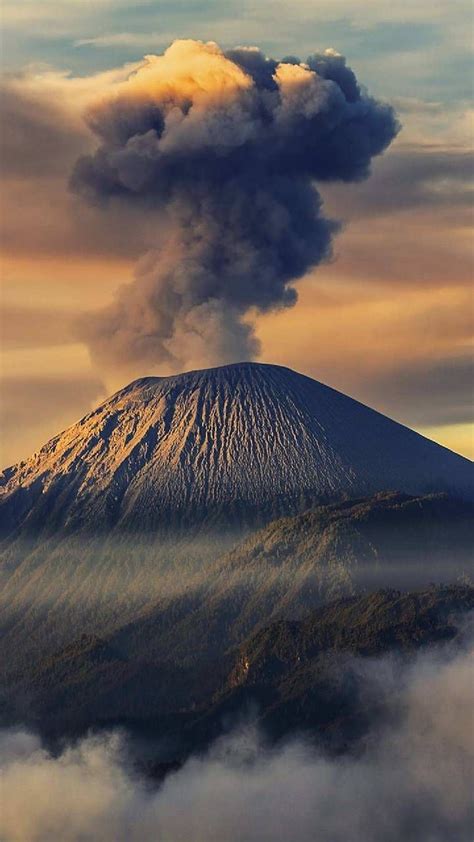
x=129, y=509
x=299, y=562
x=185, y=613
x=302, y=675
x=293, y=675
x=241, y=442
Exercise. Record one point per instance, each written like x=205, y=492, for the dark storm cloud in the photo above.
x=227, y=147
x=415, y=179
x=430, y=392
x=329, y=65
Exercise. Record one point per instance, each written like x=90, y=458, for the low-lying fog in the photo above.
x=412, y=779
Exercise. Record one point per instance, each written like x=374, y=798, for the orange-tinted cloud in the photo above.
x=35, y=407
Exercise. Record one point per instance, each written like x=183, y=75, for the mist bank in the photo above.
x=410, y=778
x=213, y=589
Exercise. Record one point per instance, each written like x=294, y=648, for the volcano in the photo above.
x=243, y=442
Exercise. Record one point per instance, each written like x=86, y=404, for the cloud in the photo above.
x=409, y=225
x=227, y=146
x=415, y=105
x=430, y=392
x=53, y=17
x=371, y=13
x=411, y=781
x=24, y=327
x=123, y=39
x=39, y=137
x=375, y=35
x=413, y=179
x=44, y=134
x=35, y=408
x=44, y=128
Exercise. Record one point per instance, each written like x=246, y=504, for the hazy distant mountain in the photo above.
x=296, y=563
x=243, y=442
x=186, y=617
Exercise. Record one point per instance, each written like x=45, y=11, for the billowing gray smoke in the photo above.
x=224, y=148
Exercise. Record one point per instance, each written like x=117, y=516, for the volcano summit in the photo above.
x=223, y=445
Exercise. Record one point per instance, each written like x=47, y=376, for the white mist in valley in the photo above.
x=410, y=780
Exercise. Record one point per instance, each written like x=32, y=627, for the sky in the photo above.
x=385, y=315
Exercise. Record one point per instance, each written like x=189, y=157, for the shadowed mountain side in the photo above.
x=302, y=675
x=219, y=448
x=90, y=682
x=184, y=613
x=298, y=675
x=296, y=563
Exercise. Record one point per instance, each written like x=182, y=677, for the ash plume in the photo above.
x=224, y=150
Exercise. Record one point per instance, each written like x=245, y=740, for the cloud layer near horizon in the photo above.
x=412, y=781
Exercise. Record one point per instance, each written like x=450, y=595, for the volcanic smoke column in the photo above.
x=225, y=149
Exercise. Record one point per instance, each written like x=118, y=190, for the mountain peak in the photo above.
x=229, y=373
x=235, y=442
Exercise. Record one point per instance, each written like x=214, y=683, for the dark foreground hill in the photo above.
x=301, y=673
x=293, y=676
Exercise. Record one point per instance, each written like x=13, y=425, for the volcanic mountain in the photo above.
x=239, y=443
